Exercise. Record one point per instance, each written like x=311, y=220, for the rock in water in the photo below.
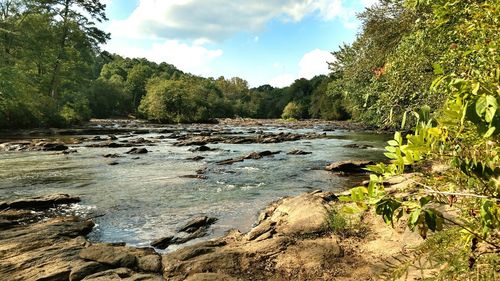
x=298, y=152
x=40, y=202
x=136, y=150
x=196, y=223
x=349, y=166
x=193, y=229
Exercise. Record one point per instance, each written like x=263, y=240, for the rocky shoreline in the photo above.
x=292, y=240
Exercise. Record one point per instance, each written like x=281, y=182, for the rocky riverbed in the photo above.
x=154, y=201
x=291, y=240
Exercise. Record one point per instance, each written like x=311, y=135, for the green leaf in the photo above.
x=424, y=200
x=390, y=149
x=491, y=108
x=490, y=132
x=481, y=105
x=393, y=143
x=431, y=219
x=475, y=88
x=391, y=155
x=345, y=198
x=386, y=208
x=413, y=219
x=438, y=69
x=403, y=123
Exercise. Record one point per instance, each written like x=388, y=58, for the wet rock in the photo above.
x=51, y=146
x=198, y=176
x=196, y=223
x=136, y=150
x=298, y=152
x=196, y=158
x=109, y=144
x=191, y=142
x=349, y=166
x=40, y=202
x=179, y=238
x=201, y=148
x=69, y=151
x=193, y=229
x=358, y=146
x=260, y=138
x=111, y=155
x=113, y=163
x=253, y=155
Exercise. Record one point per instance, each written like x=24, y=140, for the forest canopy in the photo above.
x=54, y=74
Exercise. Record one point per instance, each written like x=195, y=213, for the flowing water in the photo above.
x=142, y=199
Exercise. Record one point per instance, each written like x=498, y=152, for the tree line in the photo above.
x=54, y=74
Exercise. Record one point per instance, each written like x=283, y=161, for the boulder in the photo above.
x=201, y=148
x=301, y=215
x=196, y=223
x=196, y=158
x=358, y=146
x=51, y=146
x=40, y=202
x=109, y=255
x=253, y=155
x=193, y=229
x=349, y=166
x=109, y=144
x=298, y=152
x=81, y=270
x=136, y=150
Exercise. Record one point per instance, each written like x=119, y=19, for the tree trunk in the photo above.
x=54, y=81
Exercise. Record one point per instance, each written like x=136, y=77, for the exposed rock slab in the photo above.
x=349, y=166
x=40, y=202
x=255, y=256
x=195, y=228
x=253, y=155
x=243, y=139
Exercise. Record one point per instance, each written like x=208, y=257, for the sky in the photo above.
x=262, y=41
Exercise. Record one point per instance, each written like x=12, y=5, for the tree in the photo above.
x=291, y=111
x=74, y=25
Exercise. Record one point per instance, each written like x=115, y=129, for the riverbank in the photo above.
x=292, y=240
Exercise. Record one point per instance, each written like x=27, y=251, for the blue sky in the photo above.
x=262, y=41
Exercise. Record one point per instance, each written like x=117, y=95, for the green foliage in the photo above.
x=292, y=111
x=337, y=222
x=461, y=129
x=47, y=51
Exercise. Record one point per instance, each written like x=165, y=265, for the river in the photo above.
x=144, y=197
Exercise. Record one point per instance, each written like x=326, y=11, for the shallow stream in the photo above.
x=139, y=200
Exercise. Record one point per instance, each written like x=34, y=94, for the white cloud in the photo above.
x=194, y=58
x=311, y=64
x=314, y=63
x=217, y=20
